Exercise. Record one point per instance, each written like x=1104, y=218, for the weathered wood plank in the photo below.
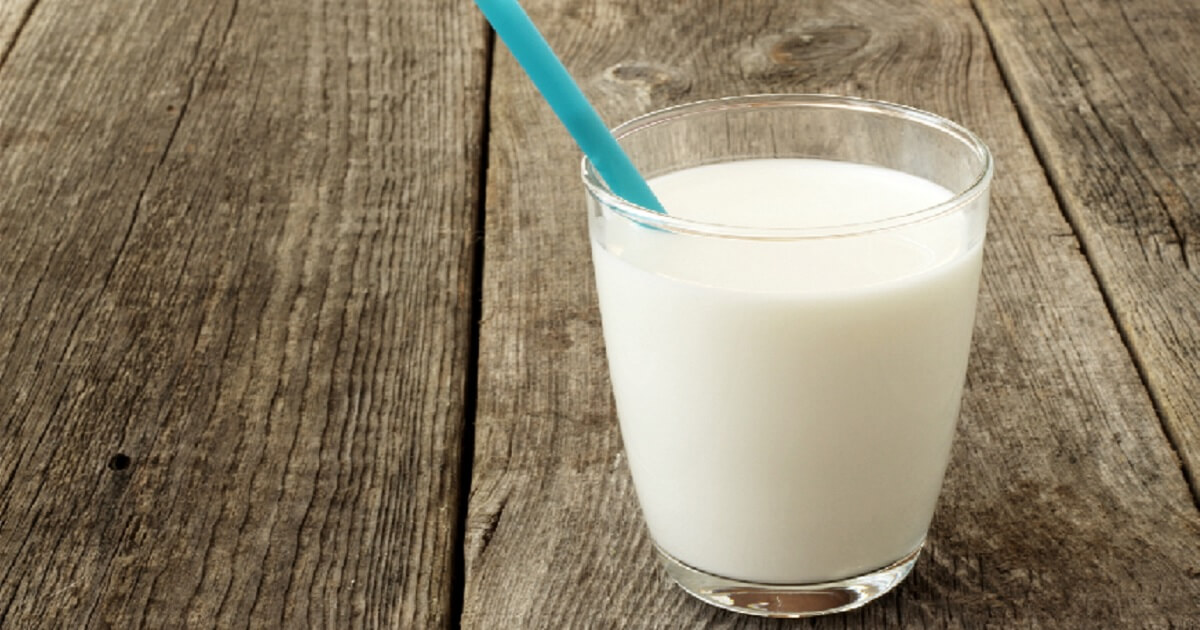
x=1110, y=92
x=1063, y=505
x=234, y=311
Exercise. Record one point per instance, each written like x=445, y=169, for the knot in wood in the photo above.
x=818, y=43
x=657, y=80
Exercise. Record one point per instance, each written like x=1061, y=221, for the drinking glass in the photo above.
x=787, y=388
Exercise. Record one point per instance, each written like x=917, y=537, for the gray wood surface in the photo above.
x=235, y=295
x=238, y=278
x=1110, y=97
x=1064, y=504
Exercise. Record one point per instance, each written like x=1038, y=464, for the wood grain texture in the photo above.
x=1063, y=505
x=1111, y=95
x=235, y=287
x=14, y=14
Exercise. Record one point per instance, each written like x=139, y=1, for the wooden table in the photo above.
x=297, y=325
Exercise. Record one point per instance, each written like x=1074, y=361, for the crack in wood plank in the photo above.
x=16, y=34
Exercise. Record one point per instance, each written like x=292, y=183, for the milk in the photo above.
x=787, y=408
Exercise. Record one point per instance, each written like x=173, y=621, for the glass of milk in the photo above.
x=788, y=345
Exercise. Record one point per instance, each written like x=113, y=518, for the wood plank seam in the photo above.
x=458, y=580
x=1039, y=150
x=12, y=43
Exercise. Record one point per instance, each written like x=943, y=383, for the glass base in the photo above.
x=788, y=600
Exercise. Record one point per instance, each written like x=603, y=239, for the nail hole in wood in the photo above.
x=120, y=461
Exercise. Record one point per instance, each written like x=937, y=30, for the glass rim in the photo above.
x=645, y=216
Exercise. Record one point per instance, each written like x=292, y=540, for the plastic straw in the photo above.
x=568, y=102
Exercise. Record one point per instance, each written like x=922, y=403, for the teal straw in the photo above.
x=568, y=102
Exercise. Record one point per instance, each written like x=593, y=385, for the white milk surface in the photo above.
x=788, y=407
